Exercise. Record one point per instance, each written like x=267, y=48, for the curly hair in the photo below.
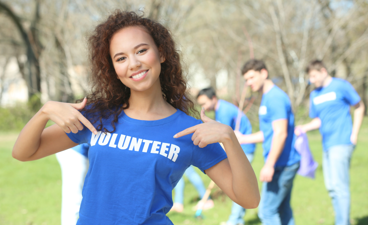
x=110, y=96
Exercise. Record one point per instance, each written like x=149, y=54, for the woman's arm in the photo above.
x=35, y=142
x=234, y=175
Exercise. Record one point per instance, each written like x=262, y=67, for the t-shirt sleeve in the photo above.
x=83, y=136
x=350, y=95
x=82, y=149
x=312, y=110
x=205, y=158
x=277, y=109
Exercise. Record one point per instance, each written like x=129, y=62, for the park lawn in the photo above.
x=30, y=193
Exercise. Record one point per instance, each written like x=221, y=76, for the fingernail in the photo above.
x=175, y=135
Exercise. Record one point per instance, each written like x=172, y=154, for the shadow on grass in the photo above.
x=362, y=220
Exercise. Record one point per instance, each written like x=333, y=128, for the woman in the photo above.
x=141, y=138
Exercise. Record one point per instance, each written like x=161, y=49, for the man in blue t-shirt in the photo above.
x=277, y=134
x=330, y=110
x=230, y=115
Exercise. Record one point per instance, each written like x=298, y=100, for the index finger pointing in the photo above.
x=87, y=124
x=186, y=132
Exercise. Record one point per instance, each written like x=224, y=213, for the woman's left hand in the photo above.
x=208, y=132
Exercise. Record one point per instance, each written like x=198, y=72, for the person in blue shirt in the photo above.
x=228, y=114
x=197, y=182
x=329, y=109
x=276, y=120
x=74, y=165
x=139, y=130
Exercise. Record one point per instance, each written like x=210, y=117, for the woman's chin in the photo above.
x=143, y=88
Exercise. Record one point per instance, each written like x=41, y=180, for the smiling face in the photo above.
x=136, y=58
x=255, y=79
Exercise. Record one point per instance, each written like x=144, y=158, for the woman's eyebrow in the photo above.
x=121, y=53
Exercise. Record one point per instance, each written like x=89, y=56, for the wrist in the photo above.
x=45, y=110
x=228, y=136
x=303, y=128
x=269, y=164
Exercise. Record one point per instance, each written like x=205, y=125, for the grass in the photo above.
x=30, y=193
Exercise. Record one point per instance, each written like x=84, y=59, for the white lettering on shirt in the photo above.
x=121, y=141
x=146, y=145
x=324, y=98
x=164, y=148
x=174, y=151
x=104, y=139
x=112, y=142
x=94, y=138
x=124, y=139
x=167, y=150
x=136, y=144
x=262, y=110
x=155, y=146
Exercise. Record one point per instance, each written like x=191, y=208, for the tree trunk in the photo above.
x=364, y=94
x=32, y=71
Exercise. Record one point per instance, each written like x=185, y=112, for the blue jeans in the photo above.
x=274, y=208
x=195, y=179
x=238, y=212
x=336, y=165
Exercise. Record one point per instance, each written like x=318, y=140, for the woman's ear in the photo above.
x=162, y=57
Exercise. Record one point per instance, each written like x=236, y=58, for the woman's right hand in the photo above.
x=67, y=116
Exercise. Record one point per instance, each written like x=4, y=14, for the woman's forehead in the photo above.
x=129, y=37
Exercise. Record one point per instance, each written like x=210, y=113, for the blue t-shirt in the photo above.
x=331, y=104
x=275, y=105
x=82, y=149
x=132, y=171
x=227, y=113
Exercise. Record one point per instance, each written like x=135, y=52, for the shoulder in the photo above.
x=313, y=93
x=279, y=94
x=187, y=120
x=340, y=82
x=227, y=105
x=83, y=146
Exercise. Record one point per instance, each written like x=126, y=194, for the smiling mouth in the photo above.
x=139, y=76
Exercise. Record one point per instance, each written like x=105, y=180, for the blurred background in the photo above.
x=44, y=56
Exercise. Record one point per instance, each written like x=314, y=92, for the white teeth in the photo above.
x=140, y=75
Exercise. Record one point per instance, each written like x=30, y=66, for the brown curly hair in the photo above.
x=109, y=95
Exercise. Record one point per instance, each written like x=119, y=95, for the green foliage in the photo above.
x=14, y=118
x=34, y=102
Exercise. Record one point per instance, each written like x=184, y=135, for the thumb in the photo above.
x=80, y=105
x=204, y=118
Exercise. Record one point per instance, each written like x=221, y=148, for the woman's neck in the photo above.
x=148, y=105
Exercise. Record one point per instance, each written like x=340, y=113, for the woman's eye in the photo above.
x=121, y=59
x=141, y=51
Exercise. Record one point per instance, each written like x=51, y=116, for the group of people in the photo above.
x=137, y=124
x=330, y=104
